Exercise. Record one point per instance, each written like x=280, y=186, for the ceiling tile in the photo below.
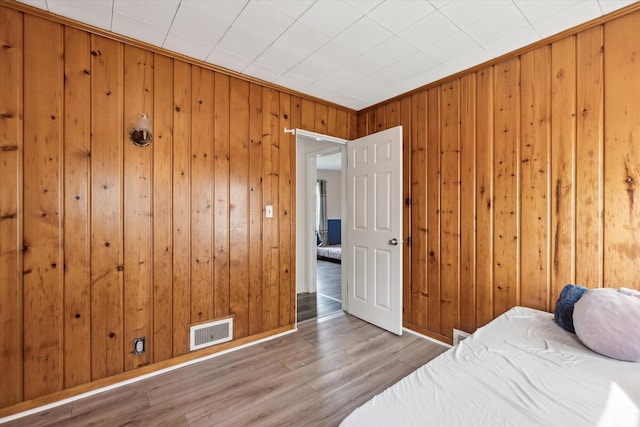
x=40, y=4
x=511, y=42
x=455, y=45
x=93, y=12
x=336, y=80
x=611, y=5
x=249, y=44
x=391, y=50
x=367, y=90
x=504, y=21
x=262, y=21
x=364, y=6
x=429, y=30
x=538, y=10
x=137, y=29
x=364, y=66
x=411, y=72
x=439, y=3
x=293, y=81
x=415, y=64
x=263, y=71
x=334, y=55
x=464, y=13
x=438, y=72
x=301, y=40
x=330, y=17
x=196, y=24
x=186, y=46
x=386, y=77
x=279, y=58
x=228, y=60
x=472, y=58
x=159, y=13
x=337, y=97
x=292, y=8
x=398, y=15
x=219, y=11
x=363, y=35
x=306, y=71
x=567, y=18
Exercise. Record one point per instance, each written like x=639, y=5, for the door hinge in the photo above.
x=409, y=240
x=408, y=201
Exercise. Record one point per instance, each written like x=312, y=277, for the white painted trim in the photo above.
x=306, y=249
x=343, y=235
x=319, y=136
x=426, y=337
x=310, y=260
x=139, y=378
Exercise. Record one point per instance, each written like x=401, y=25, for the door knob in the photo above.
x=393, y=242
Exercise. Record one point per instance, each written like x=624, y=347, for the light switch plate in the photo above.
x=269, y=211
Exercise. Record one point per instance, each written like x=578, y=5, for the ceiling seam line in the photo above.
x=164, y=41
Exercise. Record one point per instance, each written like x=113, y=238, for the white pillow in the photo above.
x=608, y=322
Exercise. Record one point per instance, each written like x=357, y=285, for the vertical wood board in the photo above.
x=107, y=267
x=534, y=178
x=11, y=214
x=43, y=191
x=77, y=231
x=162, y=343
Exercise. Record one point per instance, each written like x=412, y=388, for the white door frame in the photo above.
x=308, y=251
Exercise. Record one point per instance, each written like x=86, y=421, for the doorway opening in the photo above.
x=320, y=211
x=371, y=230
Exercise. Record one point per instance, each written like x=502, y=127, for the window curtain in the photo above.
x=321, y=211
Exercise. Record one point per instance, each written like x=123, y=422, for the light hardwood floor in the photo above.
x=328, y=298
x=329, y=279
x=314, y=377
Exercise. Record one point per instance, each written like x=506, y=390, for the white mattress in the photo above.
x=333, y=251
x=519, y=370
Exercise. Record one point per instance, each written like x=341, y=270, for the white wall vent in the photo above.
x=459, y=335
x=208, y=334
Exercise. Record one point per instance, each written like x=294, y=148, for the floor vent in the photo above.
x=459, y=335
x=212, y=333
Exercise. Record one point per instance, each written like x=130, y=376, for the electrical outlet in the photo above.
x=269, y=211
x=138, y=345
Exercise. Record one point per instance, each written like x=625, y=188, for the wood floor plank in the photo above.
x=160, y=388
x=329, y=296
x=416, y=354
x=315, y=376
x=46, y=418
x=330, y=279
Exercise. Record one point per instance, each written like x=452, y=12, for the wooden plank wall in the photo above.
x=102, y=242
x=522, y=178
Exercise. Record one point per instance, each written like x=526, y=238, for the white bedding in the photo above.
x=519, y=370
x=332, y=252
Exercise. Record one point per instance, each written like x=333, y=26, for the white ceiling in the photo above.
x=354, y=53
x=329, y=162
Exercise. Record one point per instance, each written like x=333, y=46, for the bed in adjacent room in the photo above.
x=332, y=250
x=522, y=369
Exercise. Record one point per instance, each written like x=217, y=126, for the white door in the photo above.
x=374, y=232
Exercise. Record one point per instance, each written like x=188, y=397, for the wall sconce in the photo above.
x=140, y=135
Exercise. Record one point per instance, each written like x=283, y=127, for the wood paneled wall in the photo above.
x=520, y=178
x=102, y=241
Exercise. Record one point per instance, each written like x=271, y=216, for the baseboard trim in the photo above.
x=428, y=338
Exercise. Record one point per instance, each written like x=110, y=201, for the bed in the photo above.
x=521, y=369
x=332, y=251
